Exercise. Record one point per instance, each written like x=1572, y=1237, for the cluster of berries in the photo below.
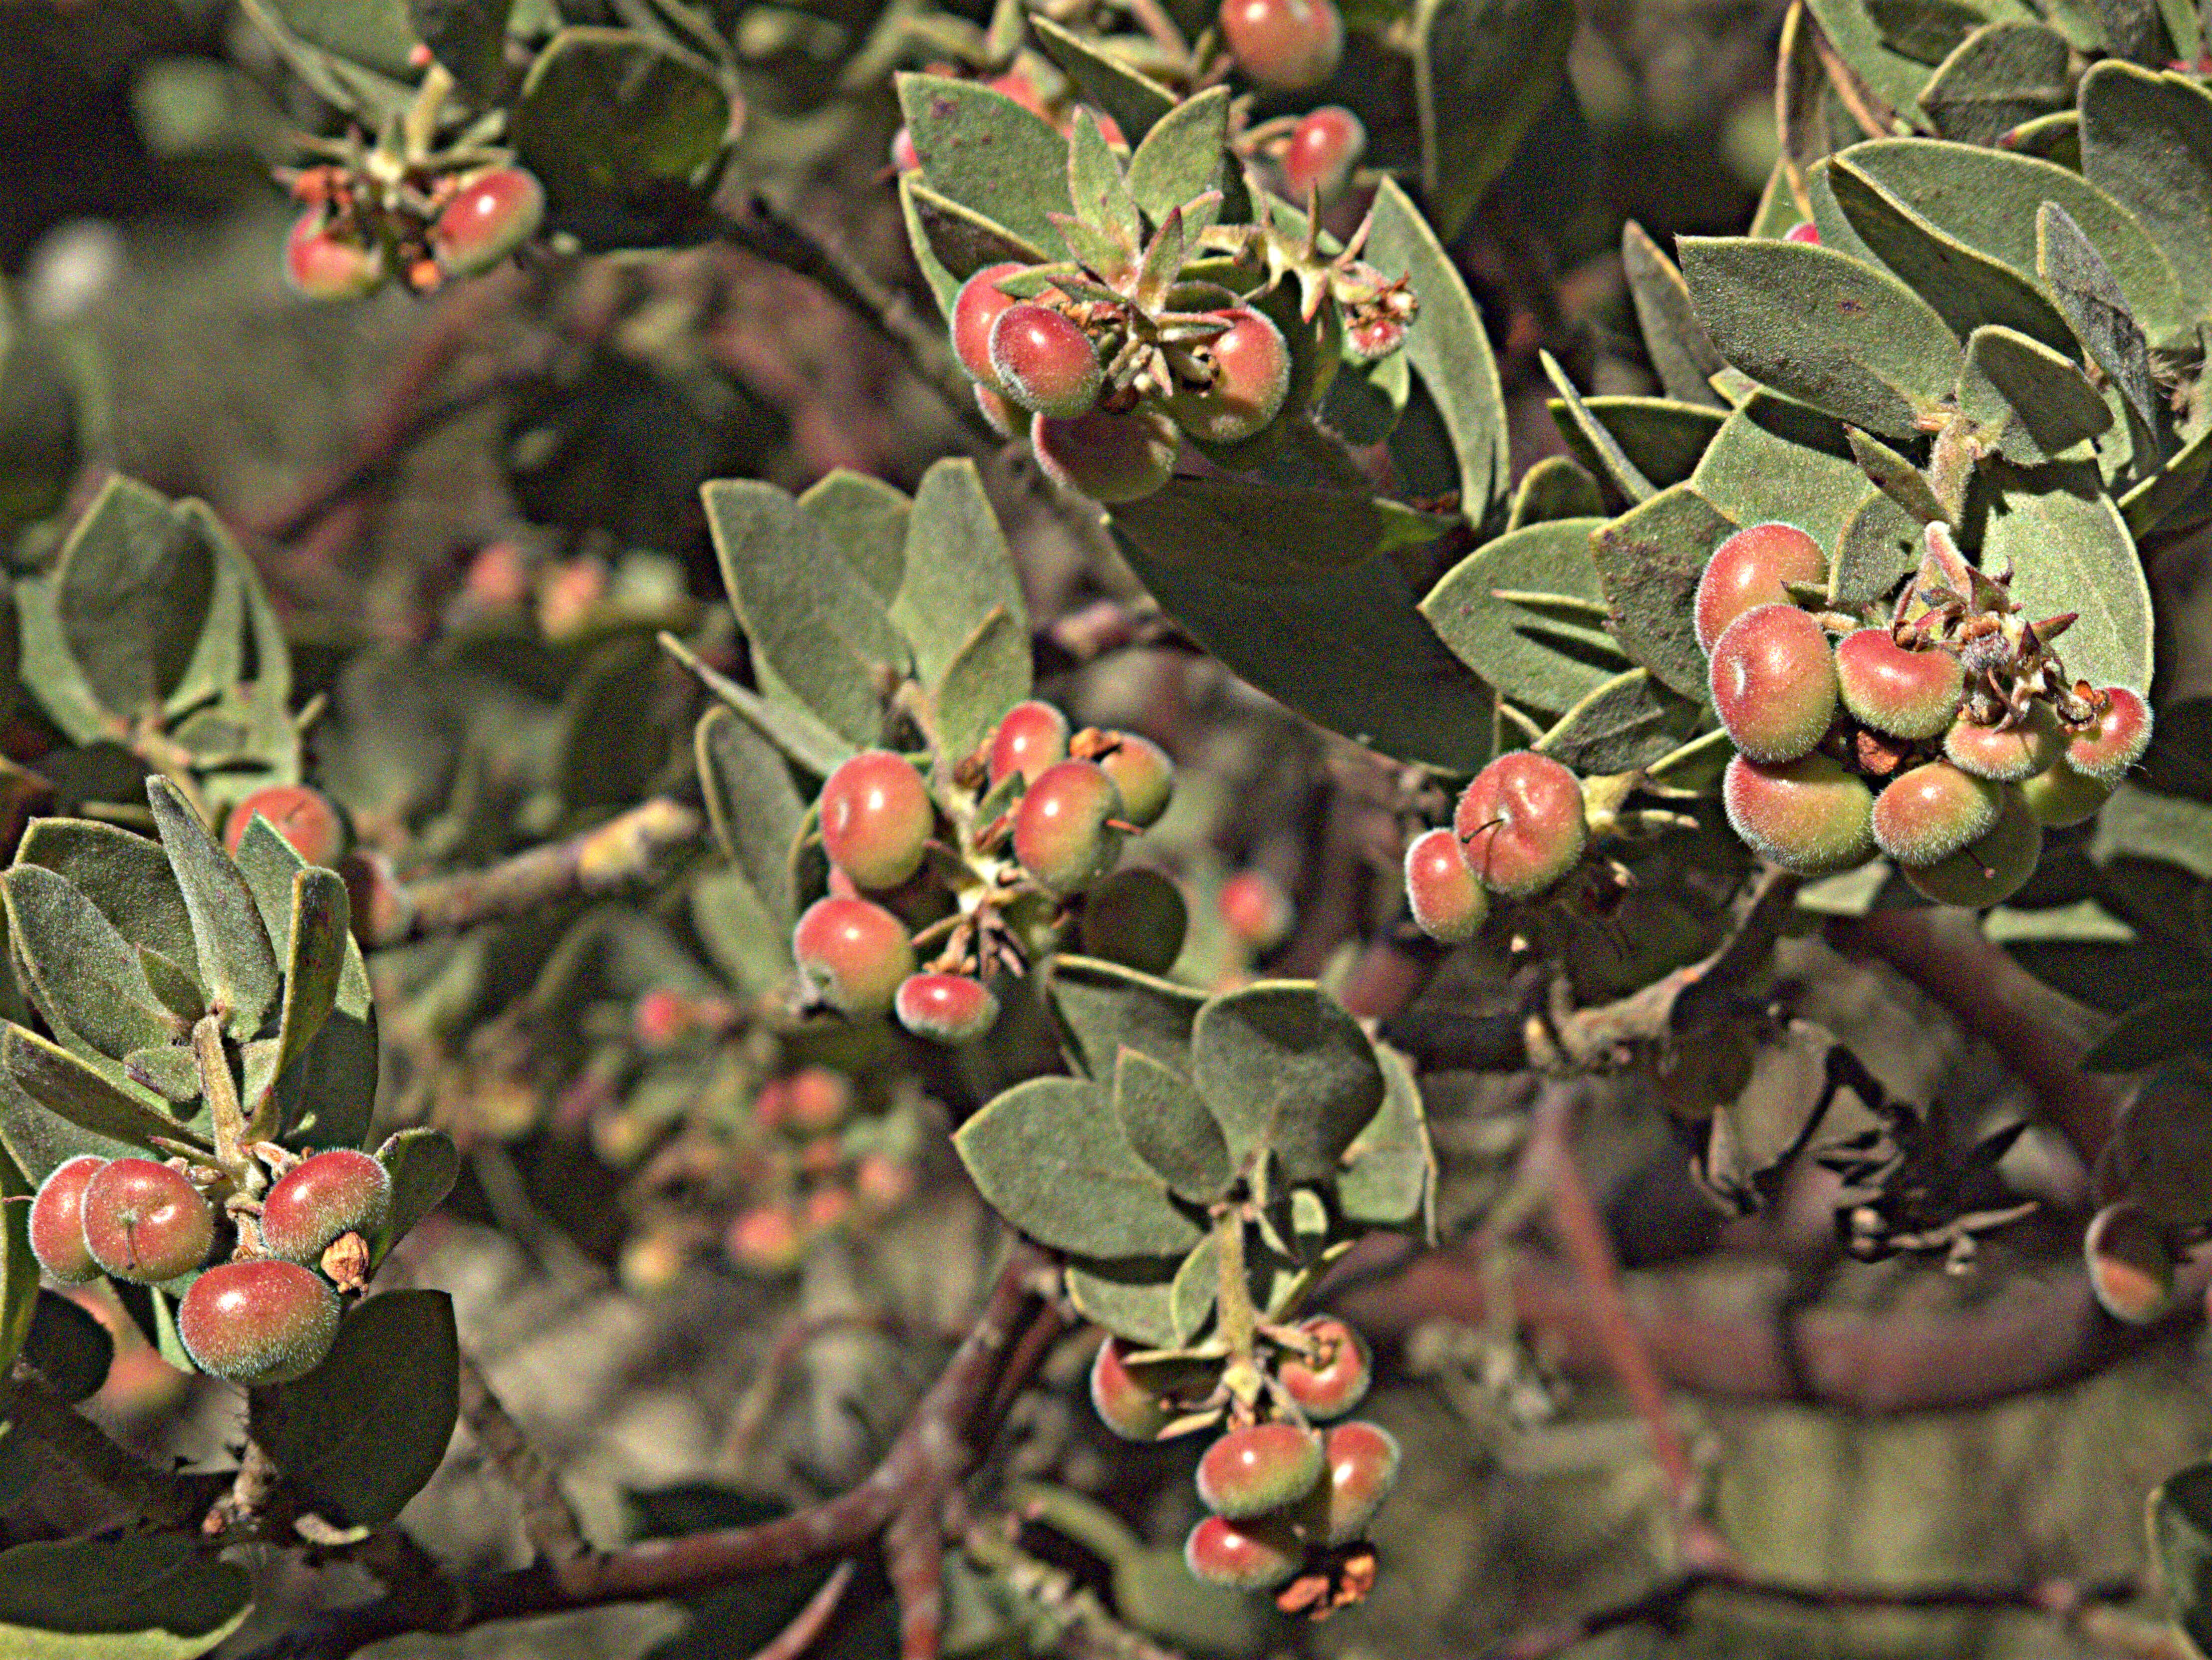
x=1944, y=735
x=825, y=1180
x=366, y=223
x=1021, y=840
x=1289, y=1504
x=2154, y=1193
x=268, y=1312
x=1519, y=827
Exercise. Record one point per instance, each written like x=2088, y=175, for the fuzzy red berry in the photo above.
x=145, y=1222
x=1108, y=458
x=876, y=818
x=1043, y=361
x=259, y=1321
x=494, y=213
x=853, y=953
x=1255, y=910
x=1333, y=1379
x=58, y=1221
x=1773, y=680
x=1064, y=835
x=1803, y=231
x=1522, y=824
x=1031, y=736
x=976, y=309
x=1991, y=868
x=1753, y=568
x=1325, y=146
x=1905, y=692
x=1447, y=902
x=1934, y=809
x=1361, y=1467
x=1258, y=1468
x=1286, y=44
x=945, y=1008
x=307, y=818
x=340, y=1191
x=2007, y=754
x=1245, y=375
x=2116, y=741
x=322, y=264
x=1242, y=1555
x=1809, y=816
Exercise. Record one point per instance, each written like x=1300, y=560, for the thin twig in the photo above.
x=549, y=1521
x=152, y=1493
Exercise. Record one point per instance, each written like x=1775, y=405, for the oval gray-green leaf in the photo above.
x=1776, y=461
x=1134, y=1300
x=1390, y=1170
x=1048, y=1155
x=1102, y=1007
x=2147, y=143
x=1285, y=1071
x=1650, y=559
x=1168, y=1124
x=1682, y=353
x=2031, y=404
x=981, y=150
x=236, y=959
x=1662, y=438
x=82, y=973
x=1628, y=722
x=2070, y=551
x=2002, y=75
x=1545, y=655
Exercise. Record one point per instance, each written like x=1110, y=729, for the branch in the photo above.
x=152, y=1493
x=548, y=1520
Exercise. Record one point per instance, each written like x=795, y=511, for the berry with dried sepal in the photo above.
x=342, y=1190
x=1325, y=146
x=494, y=213
x=1067, y=832
x=976, y=310
x=1753, y=568
x=1255, y=910
x=58, y=1221
x=1107, y=457
x=876, y=818
x=1333, y=1378
x=1136, y=1402
x=1143, y=773
x=2059, y=796
x=1448, y=903
x=258, y=1322
x=1284, y=45
x=1259, y=1469
x=1242, y=1555
x=853, y=952
x=945, y=1008
x=1522, y=824
x=2116, y=741
x=1990, y=869
x=1360, y=1466
x=2131, y=1267
x=1902, y=690
x=1809, y=816
x=1933, y=811
x=1773, y=680
x=2006, y=755
x=1245, y=376
x=307, y=818
x=1044, y=362
x=1137, y=918
x=1031, y=736
x=145, y=1222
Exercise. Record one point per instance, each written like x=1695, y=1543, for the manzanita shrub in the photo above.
x=751, y=878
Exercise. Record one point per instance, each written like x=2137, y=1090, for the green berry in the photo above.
x=1064, y=835
x=1807, y=816
x=1904, y=692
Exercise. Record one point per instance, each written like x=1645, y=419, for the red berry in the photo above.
x=976, y=308
x=853, y=953
x=1895, y=689
x=1809, y=816
x=1001, y=413
x=766, y=1239
x=1990, y=870
x=58, y=1221
x=492, y=214
x=1258, y=1468
x=1137, y=918
x=876, y=818
x=904, y=157
x=1031, y=736
x=1135, y=1402
x=661, y=1018
x=1335, y=1379
x=1286, y=45
x=825, y=1209
x=1773, y=680
x=1017, y=86
x=1244, y=375
x=1108, y=458
x=1143, y=773
x=1803, y=231
x=322, y=265
x=2059, y=796
x=1255, y=910
x=305, y=817
x=1447, y=902
x=258, y=1322
x=1324, y=147
x=145, y=1222
x=1242, y=1555
x=340, y=1191
x=816, y=1099
x=1522, y=824
x=945, y=1008
x=1753, y=568
x=1362, y=1466
x=1933, y=811
x=2009, y=755
x=1062, y=836
x=2131, y=1267
x=2117, y=742
x=1043, y=361
x=882, y=1183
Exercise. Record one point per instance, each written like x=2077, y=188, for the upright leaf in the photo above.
x=2031, y=404
x=1682, y=354
x=1650, y=559
x=1102, y=1008
x=1167, y=1123
x=2070, y=551
x=236, y=959
x=1286, y=1072
x=1483, y=71
x=2147, y=143
x=754, y=805
x=984, y=151
x=83, y=974
x=957, y=570
x=1181, y=157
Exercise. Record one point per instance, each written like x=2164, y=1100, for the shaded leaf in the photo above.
x=1682, y=354
x=1543, y=655
x=797, y=733
x=1895, y=478
x=951, y=243
x=2153, y=1031
x=1599, y=450
x=1102, y=1008
x=2147, y=143
x=754, y=805
x=1650, y=559
x=1628, y=722
x=1286, y=1071
x=1664, y=438
x=1166, y=1122
x=1132, y=1300
x=609, y=117
x=469, y=37
x=2031, y=403
x=1389, y=1169
x=2089, y=295
x=154, y=1597
x=1483, y=71
x=236, y=959
x=65, y=1086
x=2180, y=1520
x=424, y=1164
x=1879, y=547
x=1050, y=1158
x=1556, y=488
x=1778, y=461
x=2003, y=74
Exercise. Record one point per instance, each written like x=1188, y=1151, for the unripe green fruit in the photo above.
x=1447, y=902
x=340, y=1191
x=1990, y=870
x=1522, y=824
x=1031, y=736
x=145, y=1222
x=1286, y=44
x=853, y=952
x=2117, y=742
x=945, y=1008
x=1143, y=773
x=58, y=1221
x=1773, y=680
x=1324, y=147
x=1335, y=1379
x=1361, y=1467
x=876, y=818
x=258, y=1322
x=1137, y=918
x=976, y=309
x=2059, y=796
x=492, y=214
x=1136, y=1402
x=1108, y=458
x=1753, y=568
x=1259, y=1469
x=1895, y=689
x=1809, y=816
x=307, y=818
x=2006, y=755
x=1044, y=362
x=1062, y=837
x=1932, y=811
x=2162, y=1147
x=1242, y=1555
x=2130, y=1269
x=1251, y=377
x=321, y=266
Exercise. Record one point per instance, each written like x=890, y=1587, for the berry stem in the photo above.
x=234, y=1134
x=1237, y=1320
